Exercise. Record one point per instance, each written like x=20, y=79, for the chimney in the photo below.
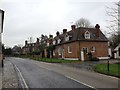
x=57, y=33
x=73, y=27
x=64, y=31
x=50, y=36
x=26, y=42
x=37, y=40
x=97, y=27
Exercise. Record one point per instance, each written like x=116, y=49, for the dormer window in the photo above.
x=87, y=35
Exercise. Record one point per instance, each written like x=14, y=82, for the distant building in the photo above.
x=31, y=47
x=117, y=52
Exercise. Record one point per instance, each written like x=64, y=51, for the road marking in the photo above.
x=81, y=82
x=25, y=84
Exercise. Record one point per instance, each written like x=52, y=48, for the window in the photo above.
x=69, y=49
x=70, y=37
x=53, y=53
x=59, y=41
x=47, y=44
x=119, y=51
x=67, y=38
x=92, y=49
x=85, y=49
x=53, y=42
x=87, y=35
x=59, y=51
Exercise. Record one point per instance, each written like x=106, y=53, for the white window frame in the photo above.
x=69, y=49
x=93, y=49
x=47, y=44
x=54, y=42
x=67, y=38
x=58, y=41
x=85, y=48
x=87, y=35
x=53, y=52
x=59, y=51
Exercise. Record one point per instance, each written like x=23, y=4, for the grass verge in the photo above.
x=113, y=69
x=53, y=60
x=50, y=60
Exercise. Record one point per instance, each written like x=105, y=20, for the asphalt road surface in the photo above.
x=39, y=77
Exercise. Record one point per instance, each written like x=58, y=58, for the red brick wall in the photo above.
x=74, y=49
x=101, y=48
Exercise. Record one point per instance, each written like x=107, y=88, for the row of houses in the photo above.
x=76, y=44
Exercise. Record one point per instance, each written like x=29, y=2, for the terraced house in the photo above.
x=80, y=43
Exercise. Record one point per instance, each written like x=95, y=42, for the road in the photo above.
x=38, y=77
x=51, y=75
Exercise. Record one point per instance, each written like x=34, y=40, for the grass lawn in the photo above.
x=113, y=69
x=53, y=60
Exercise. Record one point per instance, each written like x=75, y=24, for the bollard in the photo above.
x=2, y=64
x=108, y=65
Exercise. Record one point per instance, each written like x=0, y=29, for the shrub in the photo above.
x=95, y=59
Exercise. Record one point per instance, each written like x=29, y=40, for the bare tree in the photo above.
x=82, y=22
x=114, y=15
x=114, y=24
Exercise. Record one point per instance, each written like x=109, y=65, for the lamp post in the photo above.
x=1, y=30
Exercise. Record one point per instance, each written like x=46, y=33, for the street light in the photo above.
x=1, y=30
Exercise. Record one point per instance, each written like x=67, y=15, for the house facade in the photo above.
x=78, y=43
x=31, y=47
x=117, y=52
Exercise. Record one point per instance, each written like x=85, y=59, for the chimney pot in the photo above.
x=26, y=42
x=50, y=36
x=73, y=27
x=57, y=33
x=38, y=40
x=97, y=26
x=64, y=31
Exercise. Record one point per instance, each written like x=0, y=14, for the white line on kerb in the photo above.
x=81, y=82
x=26, y=86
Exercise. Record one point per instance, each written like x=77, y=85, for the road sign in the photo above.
x=1, y=20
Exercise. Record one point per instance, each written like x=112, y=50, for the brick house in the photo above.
x=31, y=47
x=79, y=42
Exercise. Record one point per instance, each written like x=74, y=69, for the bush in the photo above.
x=95, y=59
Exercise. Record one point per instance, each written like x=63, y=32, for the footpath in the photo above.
x=8, y=76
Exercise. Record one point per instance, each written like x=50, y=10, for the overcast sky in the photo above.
x=31, y=18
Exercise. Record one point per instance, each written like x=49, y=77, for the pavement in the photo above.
x=8, y=78
x=0, y=77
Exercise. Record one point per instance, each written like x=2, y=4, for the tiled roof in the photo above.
x=78, y=34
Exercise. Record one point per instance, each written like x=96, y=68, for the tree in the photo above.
x=82, y=22
x=114, y=24
x=114, y=18
x=43, y=43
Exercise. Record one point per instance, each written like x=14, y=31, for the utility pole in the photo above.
x=1, y=30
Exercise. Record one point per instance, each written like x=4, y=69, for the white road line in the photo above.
x=81, y=82
x=26, y=86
